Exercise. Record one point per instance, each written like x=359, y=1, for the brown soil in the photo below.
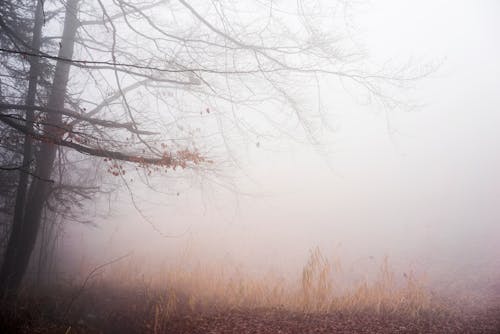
x=107, y=310
x=259, y=321
x=273, y=321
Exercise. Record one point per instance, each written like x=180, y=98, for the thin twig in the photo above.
x=87, y=279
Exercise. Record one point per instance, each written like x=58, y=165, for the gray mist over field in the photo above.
x=418, y=184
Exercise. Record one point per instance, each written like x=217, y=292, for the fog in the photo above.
x=417, y=184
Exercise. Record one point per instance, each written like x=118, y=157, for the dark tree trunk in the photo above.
x=34, y=73
x=27, y=221
x=22, y=187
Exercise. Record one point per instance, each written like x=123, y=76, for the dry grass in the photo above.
x=117, y=296
x=321, y=288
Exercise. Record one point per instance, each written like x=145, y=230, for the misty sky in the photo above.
x=419, y=184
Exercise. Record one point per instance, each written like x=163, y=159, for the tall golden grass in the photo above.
x=319, y=288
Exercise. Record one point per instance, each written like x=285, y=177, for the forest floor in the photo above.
x=275, y=321
x=119, y=313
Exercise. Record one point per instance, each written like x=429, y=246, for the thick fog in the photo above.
x=418, y=184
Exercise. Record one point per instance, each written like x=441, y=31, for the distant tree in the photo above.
x=153, y=84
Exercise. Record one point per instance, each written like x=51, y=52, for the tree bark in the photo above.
x=28, y=210
x=22, y=186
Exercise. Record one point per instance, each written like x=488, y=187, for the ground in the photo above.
x=129, y=319
x=269, y=321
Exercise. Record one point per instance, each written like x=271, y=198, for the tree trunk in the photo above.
x=22, y=187
x=26, y=223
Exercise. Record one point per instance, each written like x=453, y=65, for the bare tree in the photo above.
x=161, y=85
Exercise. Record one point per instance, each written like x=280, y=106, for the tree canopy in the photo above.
x=156, y=85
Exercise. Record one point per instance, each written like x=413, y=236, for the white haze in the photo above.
x=421, y=186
